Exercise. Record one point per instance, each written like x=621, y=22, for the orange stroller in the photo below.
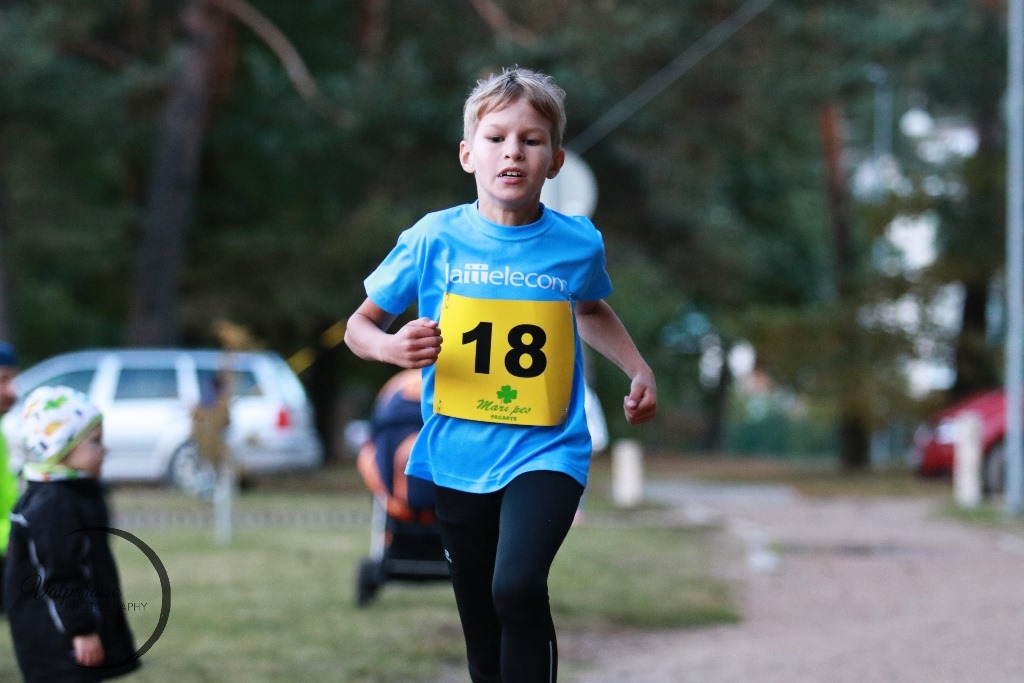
x=405, y=542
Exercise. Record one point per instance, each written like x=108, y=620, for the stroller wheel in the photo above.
x=368, y=581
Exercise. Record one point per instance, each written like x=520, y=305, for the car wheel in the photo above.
x=188, y=472
x=994, y=469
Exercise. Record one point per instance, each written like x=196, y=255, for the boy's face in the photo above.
x=88, y=455
x=511, y=156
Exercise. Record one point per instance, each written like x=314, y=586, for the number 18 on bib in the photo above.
x=505, y=361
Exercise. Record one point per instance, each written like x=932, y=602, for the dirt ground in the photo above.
x=832, y=591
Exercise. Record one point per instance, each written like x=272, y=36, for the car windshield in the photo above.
x=76, y=379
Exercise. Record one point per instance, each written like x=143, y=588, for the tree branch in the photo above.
x=285, y=51
x=495, y=17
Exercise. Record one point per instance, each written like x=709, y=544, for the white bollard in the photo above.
x=223, y=498
x=967, y=461
x=627, y=473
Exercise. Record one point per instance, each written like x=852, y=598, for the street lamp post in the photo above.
x=1014, y=499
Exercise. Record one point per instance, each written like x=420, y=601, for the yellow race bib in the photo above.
x=505, y=361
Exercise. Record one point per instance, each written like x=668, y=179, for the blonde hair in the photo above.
x=511, y=85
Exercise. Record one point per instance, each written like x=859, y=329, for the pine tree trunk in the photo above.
x=854, y=446
x=153, y=318
x=975, y=358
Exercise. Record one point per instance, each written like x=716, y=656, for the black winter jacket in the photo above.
x=61, y=581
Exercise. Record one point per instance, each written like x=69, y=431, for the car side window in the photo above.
x=140, y=383
x=243, y=382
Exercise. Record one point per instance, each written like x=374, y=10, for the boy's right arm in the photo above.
x=415, y=345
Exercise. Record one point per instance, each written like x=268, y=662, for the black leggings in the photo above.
x=500, y=547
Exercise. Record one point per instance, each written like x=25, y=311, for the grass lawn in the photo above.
x=277, y=603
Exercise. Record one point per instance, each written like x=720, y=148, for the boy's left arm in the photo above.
x=602, y=330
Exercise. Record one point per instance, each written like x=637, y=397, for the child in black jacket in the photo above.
x=61, y=585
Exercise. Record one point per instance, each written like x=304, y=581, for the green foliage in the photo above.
x=778, y=424
x=711, y=194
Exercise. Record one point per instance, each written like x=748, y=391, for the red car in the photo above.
x=934, y=442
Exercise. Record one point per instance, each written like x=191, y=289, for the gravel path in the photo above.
x=836, y=591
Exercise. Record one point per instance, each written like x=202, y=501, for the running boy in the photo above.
x=514, y=287
x=61, y=585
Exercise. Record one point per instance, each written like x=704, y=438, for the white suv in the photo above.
x=147, y=397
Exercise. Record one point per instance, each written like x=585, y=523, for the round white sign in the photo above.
x=574, y=190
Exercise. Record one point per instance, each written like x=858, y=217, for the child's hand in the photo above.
x=88, y=649
x=642, y=403
x=416, y=344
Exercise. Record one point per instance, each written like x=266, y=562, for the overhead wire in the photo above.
x=668, y=75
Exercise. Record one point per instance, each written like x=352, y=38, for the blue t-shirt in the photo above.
x=558, y=258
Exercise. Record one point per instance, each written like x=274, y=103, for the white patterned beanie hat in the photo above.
x=54, y=421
